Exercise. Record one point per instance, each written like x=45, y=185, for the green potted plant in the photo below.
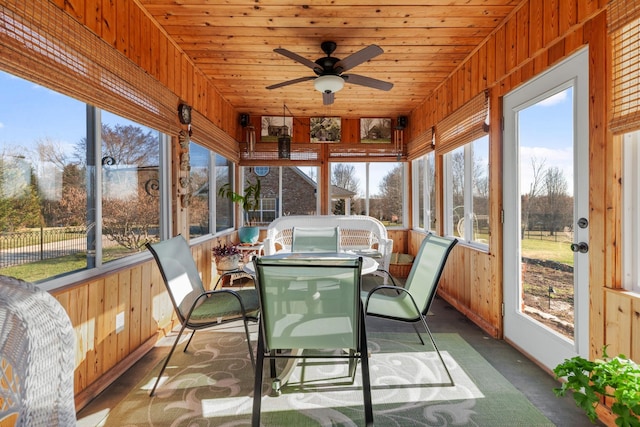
x=591, y=381
x=249, y=202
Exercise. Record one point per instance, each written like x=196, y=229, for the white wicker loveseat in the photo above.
x=37, y=358
x=358, y=233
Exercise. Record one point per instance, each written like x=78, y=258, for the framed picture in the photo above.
x=273, y=127
x=325, y=129
x=375, y=130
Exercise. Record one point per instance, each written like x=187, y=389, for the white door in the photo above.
x=546, y=215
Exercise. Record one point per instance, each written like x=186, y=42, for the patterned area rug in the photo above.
x=212, y=385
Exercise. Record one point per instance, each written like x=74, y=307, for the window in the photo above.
x=466, y=192
x=223, y=210
x=375, y=189
x=84, y=197
x=199, y=160
x=424, y=192
x=285, y=190
x=462, y=139
x=623, y=20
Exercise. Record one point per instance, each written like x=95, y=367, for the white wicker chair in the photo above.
x=37, y=358
x=361, y=234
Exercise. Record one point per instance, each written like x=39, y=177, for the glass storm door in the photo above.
x=546, y=225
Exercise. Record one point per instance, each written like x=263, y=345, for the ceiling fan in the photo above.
x=329, y=78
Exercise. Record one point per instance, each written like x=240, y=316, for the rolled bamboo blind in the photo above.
x=420, y=145
x=41, y=43
x=464, y=125
x=624, y=29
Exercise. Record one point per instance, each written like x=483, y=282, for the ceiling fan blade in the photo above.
x=301, y=59
x=327, y=98
x=367, y=81
x=357, y=58
x=291, y=82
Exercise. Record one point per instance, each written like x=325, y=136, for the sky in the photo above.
x=30, y=113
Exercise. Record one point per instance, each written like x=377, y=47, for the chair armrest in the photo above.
x=398, y=289
x=386, y=249
x=269, y=246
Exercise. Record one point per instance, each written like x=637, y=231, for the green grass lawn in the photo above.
x=548, y=249
x=40, y=270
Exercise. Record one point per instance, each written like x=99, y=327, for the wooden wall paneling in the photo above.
x=634, y=353
x=587, y=7
x=550, y=20
x=491, y=61
x=479, y=293
x=471, y=77
x=153, y=39
x=575, y=39
x=123, y=308
x=301, y=129
x=122, y=25
x=526, y=71
x=184, y=80
x=108, y=21
x=135, y=35
x=135, y=309
x=536, y=27
x=496, y=203
x=93, y=16
x=501, y=49
x=349, y=130
x=78, y=314
x=567, y=15
x=110, y=355
x=146, y=53
x=172, y=54
x=481, y=69
x=522, y=35
x=163, y=54
x=602, y=205
x=556, y=52
x=95, y=319
x=75, y=8
x=511, y=44
x=147, y=327
x=618, y=325
x=462, y=88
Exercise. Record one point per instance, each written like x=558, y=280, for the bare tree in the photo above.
x=535, y=187
x=556, y=199
x=344, y=176
x=391, y=194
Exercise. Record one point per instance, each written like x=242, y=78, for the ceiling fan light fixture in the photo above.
x=329, y=83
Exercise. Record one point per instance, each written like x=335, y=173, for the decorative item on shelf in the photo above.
x=184, y=114
x=251, y=140
x=249, y=202
x=284, y=141
x=183, y=139
x=398, y=143
x=227, y=256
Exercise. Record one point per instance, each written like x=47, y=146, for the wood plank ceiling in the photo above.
x=232, y=42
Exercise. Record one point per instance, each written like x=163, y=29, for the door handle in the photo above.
x=581, y=247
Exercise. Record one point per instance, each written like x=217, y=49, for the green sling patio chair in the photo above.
x=324, y=313
x=317, y=239
x=411, y=303
x=196, y=308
